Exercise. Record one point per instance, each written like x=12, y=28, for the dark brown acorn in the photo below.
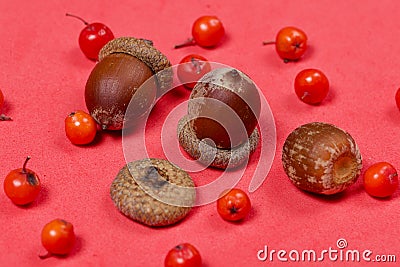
x=220, y=127
x=125, y=64
x=225, y=106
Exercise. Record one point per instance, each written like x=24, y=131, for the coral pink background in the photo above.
x=43, y=74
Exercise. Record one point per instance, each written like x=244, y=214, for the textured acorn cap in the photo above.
x=224, y=158
x=140, y=185
x=144, y=51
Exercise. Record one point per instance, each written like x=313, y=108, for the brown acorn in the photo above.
x=220, y=127
x=223, y=102
x=321, y=158
x=126, y=67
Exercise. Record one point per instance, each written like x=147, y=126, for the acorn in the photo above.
x=127, y=67
x=223, y=113
x=321, y=158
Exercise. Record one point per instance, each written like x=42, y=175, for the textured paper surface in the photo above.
x=43, y=74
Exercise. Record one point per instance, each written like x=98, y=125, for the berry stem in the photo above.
x=188, y=42
x=24, y=166
x=45, y=256
x=5, y=118
x=392, y=176
x=305, y=94
x=196, y=64
x=268, y=42
x=74, y=16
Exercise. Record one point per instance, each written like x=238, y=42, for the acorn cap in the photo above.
x=213, y=156
x=153, y=192
x=144, y=51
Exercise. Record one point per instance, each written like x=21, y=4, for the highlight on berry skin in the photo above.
x=207, y=31
x=22, y=186
x=191, y=68
x=58, y=238
x=80, y=128
x=183, y=255
x=381, y=180
x=311, y=86
x=290, y=43
x=93, y=37
x=233, y=205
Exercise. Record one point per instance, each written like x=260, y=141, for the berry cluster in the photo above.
x=233, y=205
x=310, y=85
x=22, y=186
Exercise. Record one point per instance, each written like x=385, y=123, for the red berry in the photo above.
x=80, y=128
x=183, y=255
x=1, y=100
x=381, y=180
x=93, y=37
x=207, y=31
x=22, y=185
x=311, y=86
x=2, y=116
x=234, y=205
x=191, y=69
x=398, y=98
x=290, y=43
x=58, y=238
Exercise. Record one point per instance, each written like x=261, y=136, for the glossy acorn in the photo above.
x=127, y=67
x=220, y=127
x=222, y=103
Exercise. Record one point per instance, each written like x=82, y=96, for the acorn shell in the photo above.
x=225, y=105
x=144, y=51
x=112, y=84
x=125, y=75
x=145, y=191
x=321, y=158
